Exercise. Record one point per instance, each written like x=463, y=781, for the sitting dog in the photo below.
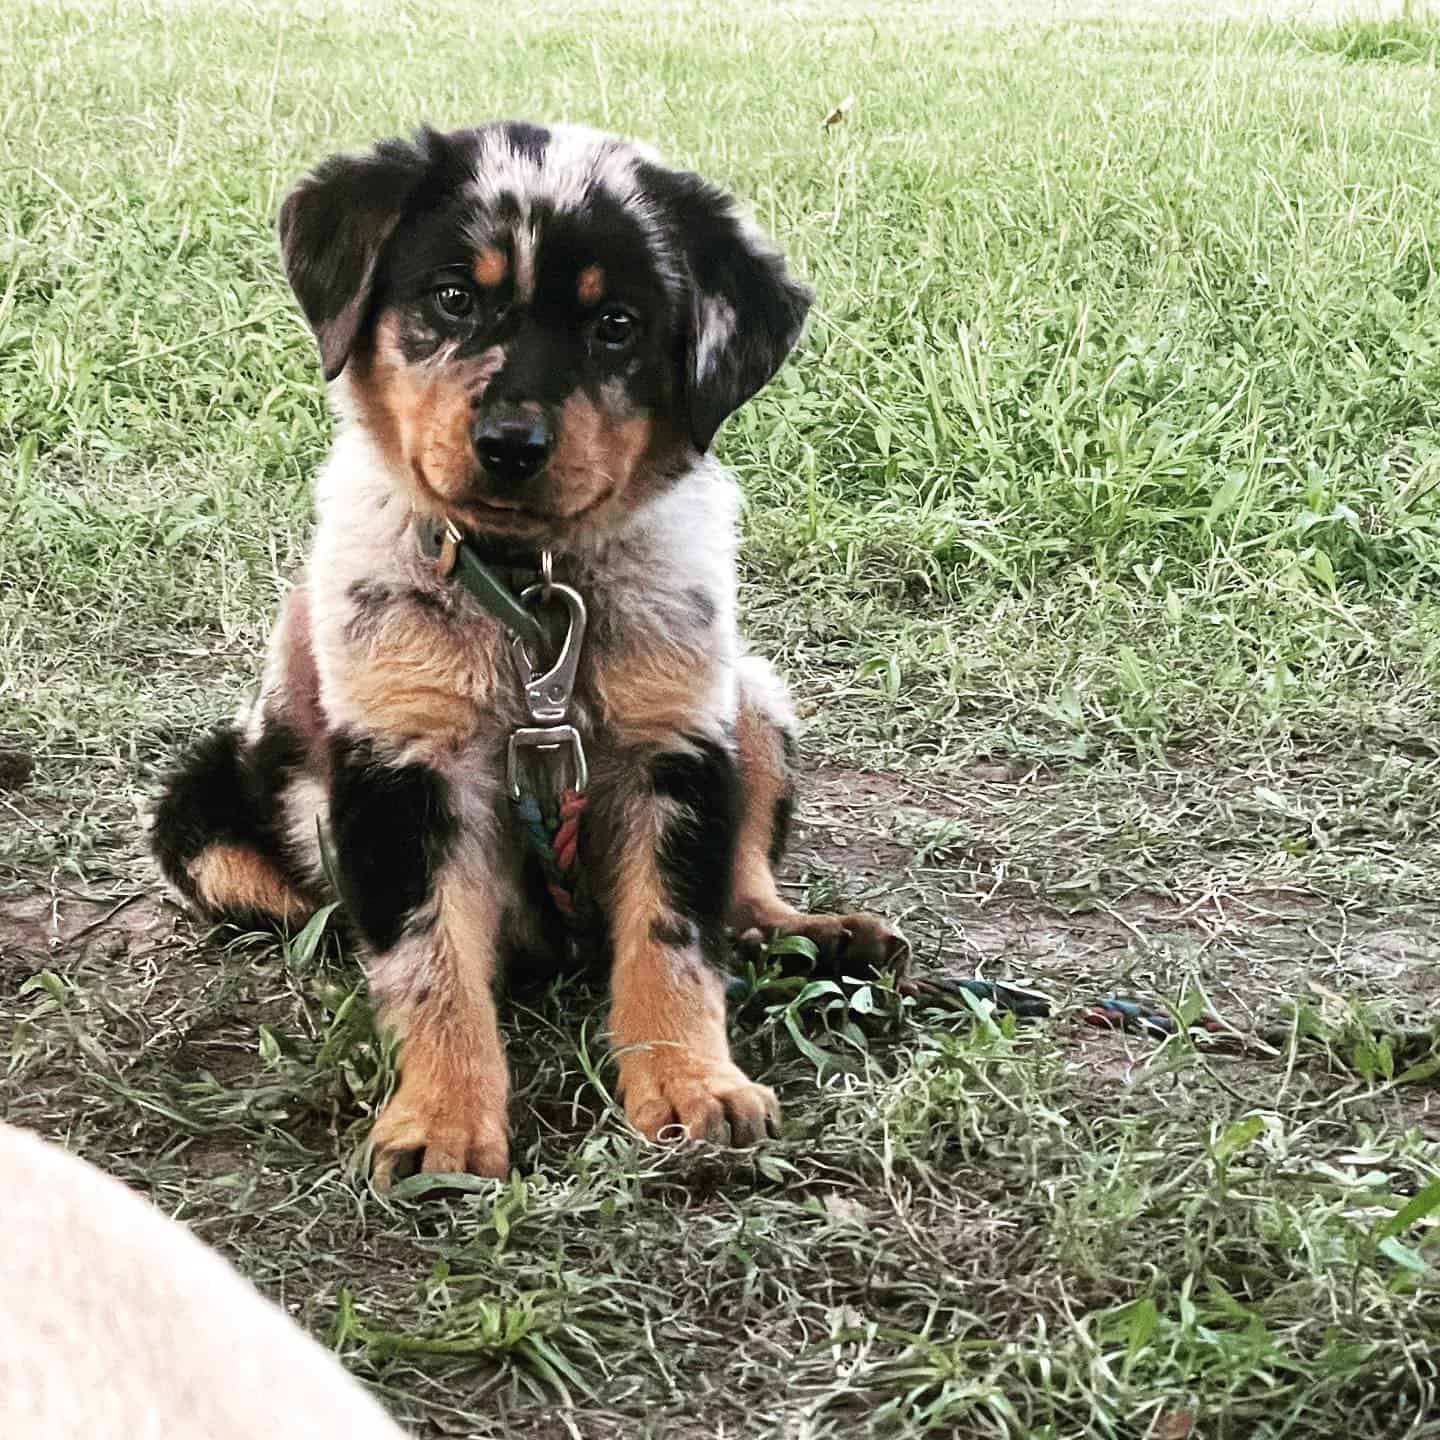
x=531, y=337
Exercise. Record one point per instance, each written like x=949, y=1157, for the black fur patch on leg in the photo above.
x=790, y=747
x=393, y=828
x=780, y=826
x=697, y=848
x=369, y=600
x=702, y=606
x=784, y=815
x=224, y=792
x=678, y=933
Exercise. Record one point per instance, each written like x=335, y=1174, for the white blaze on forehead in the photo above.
x=527, y=241
x=575, y=163
x=714, y=332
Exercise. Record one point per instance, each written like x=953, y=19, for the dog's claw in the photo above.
x=413, y=1137
x=672, y=1100
x=857, y=946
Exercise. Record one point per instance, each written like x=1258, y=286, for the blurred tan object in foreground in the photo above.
x=116, y=1322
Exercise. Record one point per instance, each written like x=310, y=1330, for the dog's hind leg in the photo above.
x=856, y=944
x=217, y=829
x=234, y=829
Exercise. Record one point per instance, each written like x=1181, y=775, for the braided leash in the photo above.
x=1137, y=1016
x=1110, y=1013
x=554, y=835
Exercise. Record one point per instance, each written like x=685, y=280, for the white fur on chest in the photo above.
x=662, y=586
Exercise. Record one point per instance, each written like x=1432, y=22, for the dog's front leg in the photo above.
x=417, y=872
x=669, y=896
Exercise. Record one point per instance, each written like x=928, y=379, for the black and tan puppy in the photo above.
x=532, y=334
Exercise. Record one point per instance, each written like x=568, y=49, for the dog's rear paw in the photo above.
x=672, y=1095
x=434, y=1134
x=858, y=945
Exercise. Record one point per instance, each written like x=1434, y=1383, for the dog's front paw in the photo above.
x=672, y=1094
x=856, y=945
x=425, y=1128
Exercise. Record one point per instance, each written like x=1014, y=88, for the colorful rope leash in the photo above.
x=1113, y=1013
x=554, y=834
x=1110, y=1013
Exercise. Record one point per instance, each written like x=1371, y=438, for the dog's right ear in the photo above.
x=333, y=226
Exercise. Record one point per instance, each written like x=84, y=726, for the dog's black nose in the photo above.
x=512, y=447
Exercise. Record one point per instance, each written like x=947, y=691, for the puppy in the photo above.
x=116, y=1321
x=531, y=337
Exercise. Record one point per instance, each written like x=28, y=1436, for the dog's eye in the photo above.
x=454, y=302
x=615, y=329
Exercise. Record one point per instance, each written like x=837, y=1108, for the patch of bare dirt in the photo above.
x=1252, y=951
x=37, y=929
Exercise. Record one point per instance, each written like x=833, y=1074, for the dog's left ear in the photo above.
x=746, y=309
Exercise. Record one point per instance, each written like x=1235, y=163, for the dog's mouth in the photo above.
x=516, y=514
x=502, y=515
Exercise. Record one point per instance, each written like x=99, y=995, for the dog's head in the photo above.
x=536, y=326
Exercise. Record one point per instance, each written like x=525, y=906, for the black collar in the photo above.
x=475, y=562
x=494, y=550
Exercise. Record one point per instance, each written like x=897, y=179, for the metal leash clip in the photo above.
x=547, y=693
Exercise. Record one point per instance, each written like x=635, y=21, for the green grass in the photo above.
x=1406, y=38
x=1101, y=506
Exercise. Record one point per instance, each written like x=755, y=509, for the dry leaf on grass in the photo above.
x=1175, y=1425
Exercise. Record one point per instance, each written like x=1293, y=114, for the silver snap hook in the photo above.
x=547, y=694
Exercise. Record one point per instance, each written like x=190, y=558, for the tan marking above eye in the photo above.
x=489, y=267
x=591, y=285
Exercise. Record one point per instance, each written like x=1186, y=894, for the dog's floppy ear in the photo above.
x=746, y=309
x=333, y=226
